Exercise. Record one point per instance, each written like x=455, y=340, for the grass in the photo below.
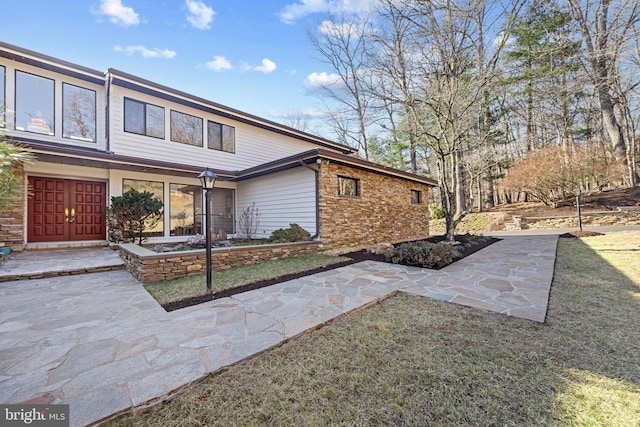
x=191, y=286
x=414, y=361
x=473, y=223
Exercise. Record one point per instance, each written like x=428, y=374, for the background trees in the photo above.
x=461, y=90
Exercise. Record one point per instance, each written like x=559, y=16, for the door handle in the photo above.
x=73, y=215
x=66, y=214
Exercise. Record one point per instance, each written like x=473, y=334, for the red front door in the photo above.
x=65, y=209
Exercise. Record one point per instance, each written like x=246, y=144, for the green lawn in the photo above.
x=415, y=361
x=191, y=286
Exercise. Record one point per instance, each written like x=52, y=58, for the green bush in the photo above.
x=131, y=214
x=294, y=233
x=423, y=254
x=436, y=211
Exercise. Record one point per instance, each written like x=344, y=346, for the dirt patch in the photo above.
x=578, y=234
x=356, y=256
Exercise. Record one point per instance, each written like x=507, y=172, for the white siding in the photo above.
x=59, y=79
x=283, y=198
x=254, y=146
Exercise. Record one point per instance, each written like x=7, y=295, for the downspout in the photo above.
x=316, y=170
x=106, y=114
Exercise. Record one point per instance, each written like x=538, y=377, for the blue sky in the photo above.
x=251, y=55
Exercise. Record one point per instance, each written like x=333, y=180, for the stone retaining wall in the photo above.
x=150, y=267
x=623, y=216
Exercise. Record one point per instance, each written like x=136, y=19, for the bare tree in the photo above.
x=607, y=27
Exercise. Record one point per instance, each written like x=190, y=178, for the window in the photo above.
x=416, y=197
x=2, y=96
x=157, y=188
x=34, y=103
x=348, y=186
x=221, y=137
x=185, y=212
x=78, y=113
x=143, y=118
x=223, y=210
x=186, y=128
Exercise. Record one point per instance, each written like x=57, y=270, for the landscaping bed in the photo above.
x=465, y=249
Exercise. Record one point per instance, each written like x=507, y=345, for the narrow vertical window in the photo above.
x=34, y=104
x=184, y=208
x=78, y=113
x=416, y=197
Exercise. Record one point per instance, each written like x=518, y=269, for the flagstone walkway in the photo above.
x=101, y=343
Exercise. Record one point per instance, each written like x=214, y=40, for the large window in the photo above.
x=186, y=128
x=78, y=113
x=2, y=97
x=221, y=137
x=143, y=118
x=157, y=188
x=185, y=209
x=223, y=210
x=34, y=103
x=348, y=186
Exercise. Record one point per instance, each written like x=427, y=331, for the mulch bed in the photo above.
x=356, y=256
x=578, y=234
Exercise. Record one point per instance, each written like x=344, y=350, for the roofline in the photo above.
x=154, y=89
x=50, y=63
x=117, y=161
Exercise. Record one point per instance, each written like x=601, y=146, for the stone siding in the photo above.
x=151, y=267
x=382, y=213
x=623, y=216
x=12, y=232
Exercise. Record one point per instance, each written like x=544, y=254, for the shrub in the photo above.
x=436, y=211
x=131, y=214
x=294, y=233
x=423, y=254
x=248, y=222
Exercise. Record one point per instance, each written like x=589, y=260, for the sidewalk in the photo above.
x=101, y=343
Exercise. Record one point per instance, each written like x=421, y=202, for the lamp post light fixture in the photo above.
x=577, y=193
x=208, y=179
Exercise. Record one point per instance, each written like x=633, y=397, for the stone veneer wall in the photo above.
x=623, y=216
x=12, y=220
x=382, y=213
x=150, y=267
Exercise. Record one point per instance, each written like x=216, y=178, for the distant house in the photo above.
x=98, y=134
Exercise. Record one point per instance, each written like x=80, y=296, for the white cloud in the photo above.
x=267, y=66
x=200, y=15
x=118, y=13
x=316, y=81
x=146, y=53
x=332, y=29
x=302, y=8
x=219, y=63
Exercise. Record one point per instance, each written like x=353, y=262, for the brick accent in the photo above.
x=382, y=213
x=151, y=267
x=12, y=219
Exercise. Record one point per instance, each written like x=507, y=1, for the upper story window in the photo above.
x=348, y=186
x=78, y=113
x=416, y=197
x=34, y=103
x=143, y=118
x=186, y=128
x=221, y=137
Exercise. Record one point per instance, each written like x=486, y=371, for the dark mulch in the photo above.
x=356, y=256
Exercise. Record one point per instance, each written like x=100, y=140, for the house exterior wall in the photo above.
x=10, y=97
x=253, y=146
x=283, y=198
x=382, y=213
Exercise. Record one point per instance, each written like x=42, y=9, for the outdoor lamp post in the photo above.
x=208, y=179
x=577, y=193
